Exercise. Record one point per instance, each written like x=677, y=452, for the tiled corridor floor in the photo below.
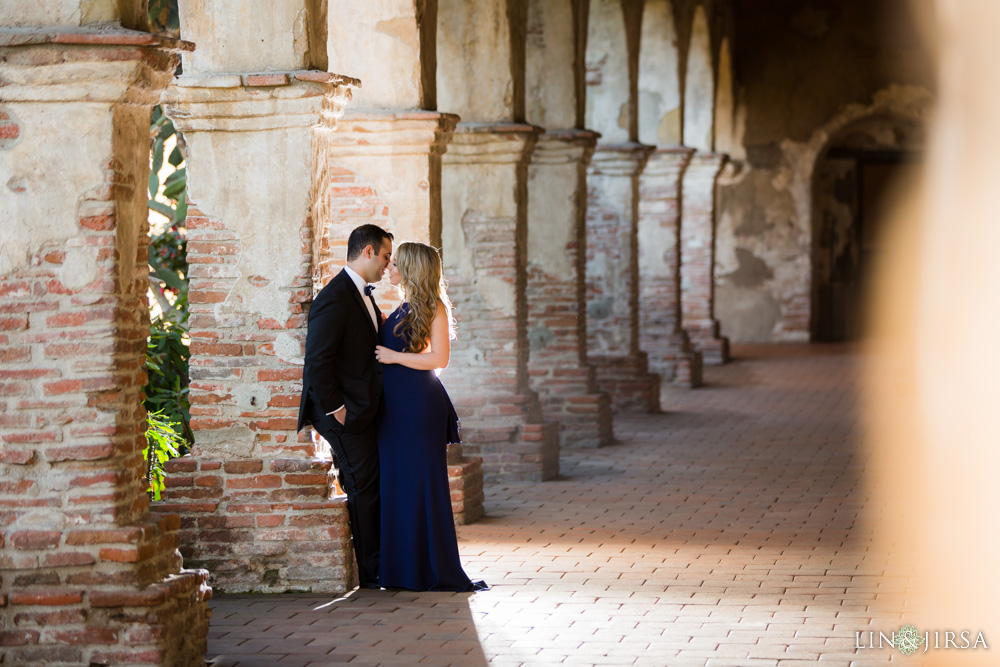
x=725, y=531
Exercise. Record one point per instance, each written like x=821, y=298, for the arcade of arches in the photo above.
x=619, y=187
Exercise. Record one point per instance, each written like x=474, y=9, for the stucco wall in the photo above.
x=802, y=72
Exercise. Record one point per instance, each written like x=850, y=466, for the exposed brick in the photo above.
x=270, y=521
x=115, y=536
x=68, y=558
x=80, y=453
x=46, y=598
x=17, y=456
x=149, y=597
x=61, y=617
x=182, y=464
x=87, y=636
x=307, y=479
x=256, y=482
x=18, y=637
x=243, y=467
x=255, y=80
x=35, y=539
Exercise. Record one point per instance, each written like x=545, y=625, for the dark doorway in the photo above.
x=854, y=188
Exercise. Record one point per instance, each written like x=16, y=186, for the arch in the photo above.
x=608, y=106
x=550, y=64
x=699, y=86
x=855, y=179
x=726, y=138
x=659, y=78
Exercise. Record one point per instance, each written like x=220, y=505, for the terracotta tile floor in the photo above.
x=726, y=531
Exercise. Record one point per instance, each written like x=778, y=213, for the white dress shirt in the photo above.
x=360, y=283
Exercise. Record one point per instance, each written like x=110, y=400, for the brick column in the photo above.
x=255, y=498
x=698, y=257
x=661, y=335
x=484, y=204
x=612, y=278
x=385, y=167
x=385, y=158
x=87, y=574
x=557, y=365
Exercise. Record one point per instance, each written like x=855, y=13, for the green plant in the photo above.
x=168, y=243
x=168, y=432
x=163, y=443
x=163, y=17
x=166, y=390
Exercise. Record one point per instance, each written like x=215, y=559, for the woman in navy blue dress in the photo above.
x=419, y=548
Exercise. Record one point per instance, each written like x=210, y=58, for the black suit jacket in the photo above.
x=340, y=367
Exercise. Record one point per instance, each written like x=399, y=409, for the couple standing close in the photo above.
x=369, y=388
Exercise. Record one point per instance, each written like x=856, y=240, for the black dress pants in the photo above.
x=356, y=458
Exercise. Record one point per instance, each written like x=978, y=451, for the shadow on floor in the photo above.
x=363, y=628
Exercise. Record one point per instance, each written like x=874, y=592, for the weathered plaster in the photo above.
x=232, y=176
x=53, y=200
x=767, y=211
x=40, y=13
x=474, y=60
x=252, y=36
x=608, y=94
x=392, y=30
x=659, y=85
x=699, y=86
x=551, y=82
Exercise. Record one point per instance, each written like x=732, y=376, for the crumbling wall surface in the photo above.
x=802, y=74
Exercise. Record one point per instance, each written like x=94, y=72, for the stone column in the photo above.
x=698, y=257
x=384, y=159
x=87, y=574
x=485, y=252
x=612, y=278
x=557, y=366
x=661, y=335
x=480, y=75
x=255, y=498
x=384, y=167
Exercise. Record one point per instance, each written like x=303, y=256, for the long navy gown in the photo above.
x=419, y=548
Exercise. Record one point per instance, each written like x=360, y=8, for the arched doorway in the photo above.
x=854, y=182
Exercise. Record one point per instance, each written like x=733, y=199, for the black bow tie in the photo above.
x=369, y=289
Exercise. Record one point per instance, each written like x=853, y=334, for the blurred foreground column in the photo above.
x=934, y=371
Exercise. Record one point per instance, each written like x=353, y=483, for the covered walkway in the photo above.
x=727, y=531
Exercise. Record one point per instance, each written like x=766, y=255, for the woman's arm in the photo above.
x=437, y=354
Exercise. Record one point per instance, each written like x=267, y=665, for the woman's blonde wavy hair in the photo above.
x=423, y=286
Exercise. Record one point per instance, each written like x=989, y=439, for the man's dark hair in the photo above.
x=364, y=236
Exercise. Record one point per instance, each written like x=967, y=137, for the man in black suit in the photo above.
x=342, y=384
